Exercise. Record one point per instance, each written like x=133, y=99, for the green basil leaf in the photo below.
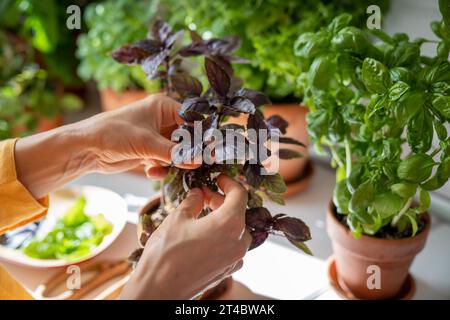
x=387, y=204
x=274, y=183
x=375, y=76
x=360, y=202
x=442, y=104
x=416, y=168
x=405, y=190
x=341, y=197
x=397, y=90
x=420, y=132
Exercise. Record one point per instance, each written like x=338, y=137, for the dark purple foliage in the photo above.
x=224, y=98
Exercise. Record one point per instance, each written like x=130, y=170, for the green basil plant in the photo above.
x=110, y=24
x=268, y=30
x=377, y=106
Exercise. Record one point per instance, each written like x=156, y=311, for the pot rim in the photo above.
x=367, y=238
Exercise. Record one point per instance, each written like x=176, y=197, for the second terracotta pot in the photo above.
x=295, y=114
x=112, y=99
x=358, y=259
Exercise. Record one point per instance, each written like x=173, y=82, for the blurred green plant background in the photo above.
x=43, y=63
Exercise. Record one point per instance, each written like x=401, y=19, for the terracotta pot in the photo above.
x=112, y=99
x=46, y=124
x=214, y=293
x=355, y=259
x=291, y=170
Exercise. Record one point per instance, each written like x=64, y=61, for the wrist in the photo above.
x=51, y=159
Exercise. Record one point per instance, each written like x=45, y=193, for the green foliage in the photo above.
x=369, y=101
x=26, y=94
x=73, y=237
x=268, y=30
x=111, y=24
x=42, y=25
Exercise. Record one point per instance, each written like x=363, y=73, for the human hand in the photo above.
x=187, y=254
x=138, y=133
x=108, y=142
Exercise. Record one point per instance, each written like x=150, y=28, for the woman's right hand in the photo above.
x=187, y=254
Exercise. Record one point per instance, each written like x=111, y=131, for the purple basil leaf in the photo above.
x=186, y=85
x=198, y=104
x=295, y=228
x=300, y=245
x=252, y=173
x=256, y=121
x=225, y=65
x=288, y=140
x=236, y=84
x=195, y=37
x=258, y=238
x=190, y=115
x=277, y=122
x=288, y=154
x=217, y=77
x=172, y=38
x=227, y=111
x=193, y=49
x=161, y=30
x=258, y=219
x=136, y=255
x=231, y=150
x=223, y=46
x=150, y=65
x=254, y=96
x=129, y=54
x=143, y=238
x=243, y=105
x=149, y=45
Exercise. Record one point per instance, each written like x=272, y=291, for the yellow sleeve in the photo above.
x=17, y=207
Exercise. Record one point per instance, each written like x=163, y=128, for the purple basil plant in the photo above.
x=161, y=58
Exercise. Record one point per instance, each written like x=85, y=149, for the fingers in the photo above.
x=247, y=239
x=213, y=199
x=156, y=172
x=235, y=201
x=192, y=205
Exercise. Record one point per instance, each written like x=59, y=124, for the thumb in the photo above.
x=193, y=204
x=162, y=150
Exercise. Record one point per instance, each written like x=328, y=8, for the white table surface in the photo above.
x=276, y=269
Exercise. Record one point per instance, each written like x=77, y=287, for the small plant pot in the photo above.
x=211, y=294
x=295, y=115
x=112, y=100
x=373, y=268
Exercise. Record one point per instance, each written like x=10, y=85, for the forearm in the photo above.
x=51, y=159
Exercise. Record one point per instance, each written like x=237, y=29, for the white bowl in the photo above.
x=98, y=200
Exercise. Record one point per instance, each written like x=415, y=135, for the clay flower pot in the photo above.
x=112, y=99
x=214, y=293
x=358, y=259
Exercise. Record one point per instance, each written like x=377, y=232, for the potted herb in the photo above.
x=110, y=24
x=376, y=107
x=268, y=30
x=210, y=109
x=29, y=101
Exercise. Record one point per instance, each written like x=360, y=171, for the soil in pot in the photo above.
x=112, y=100
x=150, y=217
x=373, y=267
